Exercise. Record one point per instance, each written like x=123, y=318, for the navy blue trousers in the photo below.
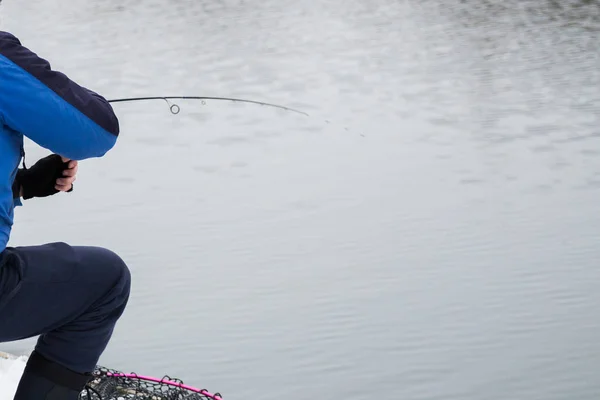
x=69, y=296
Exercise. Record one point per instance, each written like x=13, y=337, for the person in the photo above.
x=70, y=296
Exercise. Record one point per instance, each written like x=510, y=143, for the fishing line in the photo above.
x=175, y=108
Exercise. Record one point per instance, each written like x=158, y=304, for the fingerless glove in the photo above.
x=40, y=179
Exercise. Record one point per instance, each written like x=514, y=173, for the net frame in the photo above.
x=110, y=384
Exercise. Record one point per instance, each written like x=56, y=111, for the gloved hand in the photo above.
x=41, y=179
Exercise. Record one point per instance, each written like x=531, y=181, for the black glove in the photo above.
x=40, y=179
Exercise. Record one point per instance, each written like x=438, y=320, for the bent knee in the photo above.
x=112, y=268
x=119, y=269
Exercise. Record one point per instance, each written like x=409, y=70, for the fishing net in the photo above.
x=114, y=385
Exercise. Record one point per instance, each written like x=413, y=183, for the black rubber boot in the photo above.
x=46, y=380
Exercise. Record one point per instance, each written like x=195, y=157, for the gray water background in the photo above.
x=445, y=246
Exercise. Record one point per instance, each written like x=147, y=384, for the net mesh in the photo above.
x=114, y=385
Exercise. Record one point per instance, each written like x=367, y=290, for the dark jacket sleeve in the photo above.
x=49, y=108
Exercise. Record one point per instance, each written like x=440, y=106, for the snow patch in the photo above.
x=11, y=369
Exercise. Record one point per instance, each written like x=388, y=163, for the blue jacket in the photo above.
x=51, y=110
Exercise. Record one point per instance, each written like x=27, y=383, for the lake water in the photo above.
x=438, y=239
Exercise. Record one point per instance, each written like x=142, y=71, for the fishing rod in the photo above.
x=175, y=108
